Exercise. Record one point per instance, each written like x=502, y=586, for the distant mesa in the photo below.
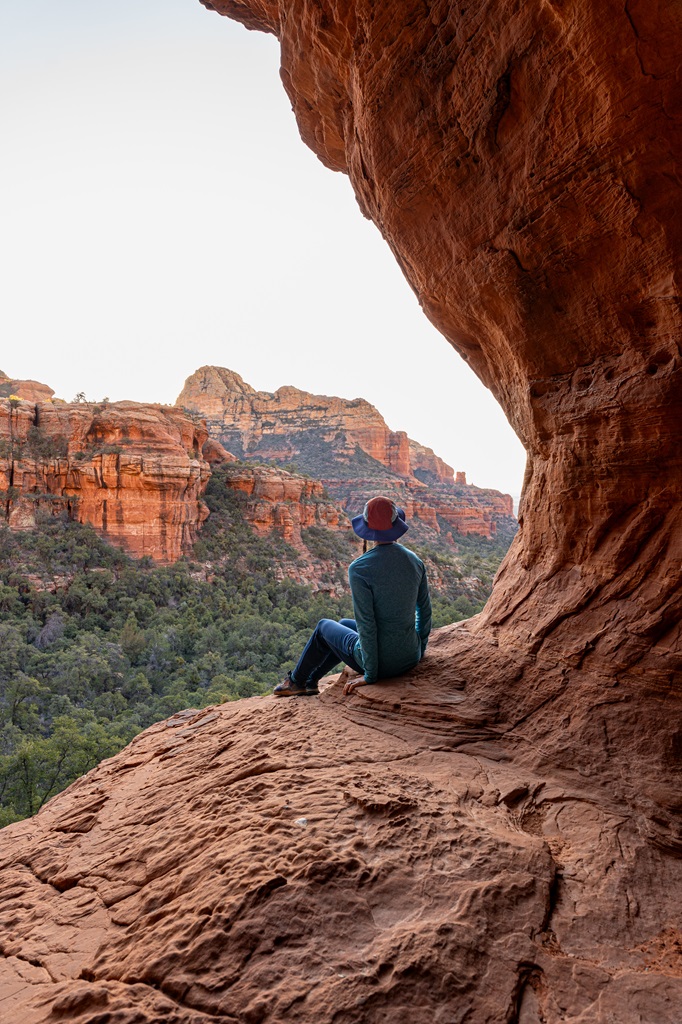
x=345, y=444
x=137, y=472
x=26, y=390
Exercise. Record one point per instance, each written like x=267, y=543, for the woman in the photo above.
x=389, y=633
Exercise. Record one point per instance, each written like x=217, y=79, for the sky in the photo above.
x=159, y=213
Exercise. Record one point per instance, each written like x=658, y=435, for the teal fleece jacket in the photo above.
x=392, y=609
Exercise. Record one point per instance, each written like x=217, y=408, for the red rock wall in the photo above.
x=134, y=472
x=521, y=163
x=269, y=426
x=283, y=503
x=229, y=403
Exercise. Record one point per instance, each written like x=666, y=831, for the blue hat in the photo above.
x=381, y=520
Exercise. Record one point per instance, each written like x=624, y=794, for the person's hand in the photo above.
x=353, y=685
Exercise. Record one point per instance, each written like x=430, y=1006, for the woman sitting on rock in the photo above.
x=392, y=609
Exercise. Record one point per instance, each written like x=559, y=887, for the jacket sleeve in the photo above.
x=423, y=612
x=363, y=608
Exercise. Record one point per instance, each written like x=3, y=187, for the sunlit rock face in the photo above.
x=263, y=424
x=349, y=446
x=134, y=472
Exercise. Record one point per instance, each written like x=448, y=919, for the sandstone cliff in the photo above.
x=348, y=445
x=29, y=390
x=134, y=472
x=258, y=424
x=282, y=502
x=521, y=163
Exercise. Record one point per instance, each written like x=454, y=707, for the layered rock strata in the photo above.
x=348, y=445
x=257, y=423
x=282, y=502
x=134, y=472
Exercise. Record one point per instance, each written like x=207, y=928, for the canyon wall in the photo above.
x=522, y=164
x=134, y=472
x=257, y=423
x=349, y=447
x=282, y=502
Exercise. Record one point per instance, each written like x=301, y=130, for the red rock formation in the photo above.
x=521, y=163
x=134, y=472
x=424, y=463
x=379, y=858
x=213, y=452
x=257, y=422
x=322, y=435
x=525, y=179
x=28, y=390
x=282, y=502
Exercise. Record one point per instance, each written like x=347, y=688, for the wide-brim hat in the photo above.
x=381, y=520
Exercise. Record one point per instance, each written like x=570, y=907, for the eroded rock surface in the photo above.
x=523, y=164
x=348, y=445
x=282, y=502
x=134, y=472
x=399, y=855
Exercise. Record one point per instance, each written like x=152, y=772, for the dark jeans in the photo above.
x=330, y=643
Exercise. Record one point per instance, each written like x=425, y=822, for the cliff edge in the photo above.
x=405, y=854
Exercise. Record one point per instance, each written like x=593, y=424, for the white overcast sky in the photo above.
x=159, y=212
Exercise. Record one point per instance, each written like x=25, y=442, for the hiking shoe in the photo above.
x=288, y=688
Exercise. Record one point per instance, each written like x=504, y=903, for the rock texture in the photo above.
x=393, y=856
x=282, y=502
x=523, y=164
x=348, y=445
x=29, y=390
x=134, y=472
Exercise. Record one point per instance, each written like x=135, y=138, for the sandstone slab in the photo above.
x=410, y=853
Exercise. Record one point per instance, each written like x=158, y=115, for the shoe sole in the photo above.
x=297, y=693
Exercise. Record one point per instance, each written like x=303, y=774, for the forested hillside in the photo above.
x=95, y=646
